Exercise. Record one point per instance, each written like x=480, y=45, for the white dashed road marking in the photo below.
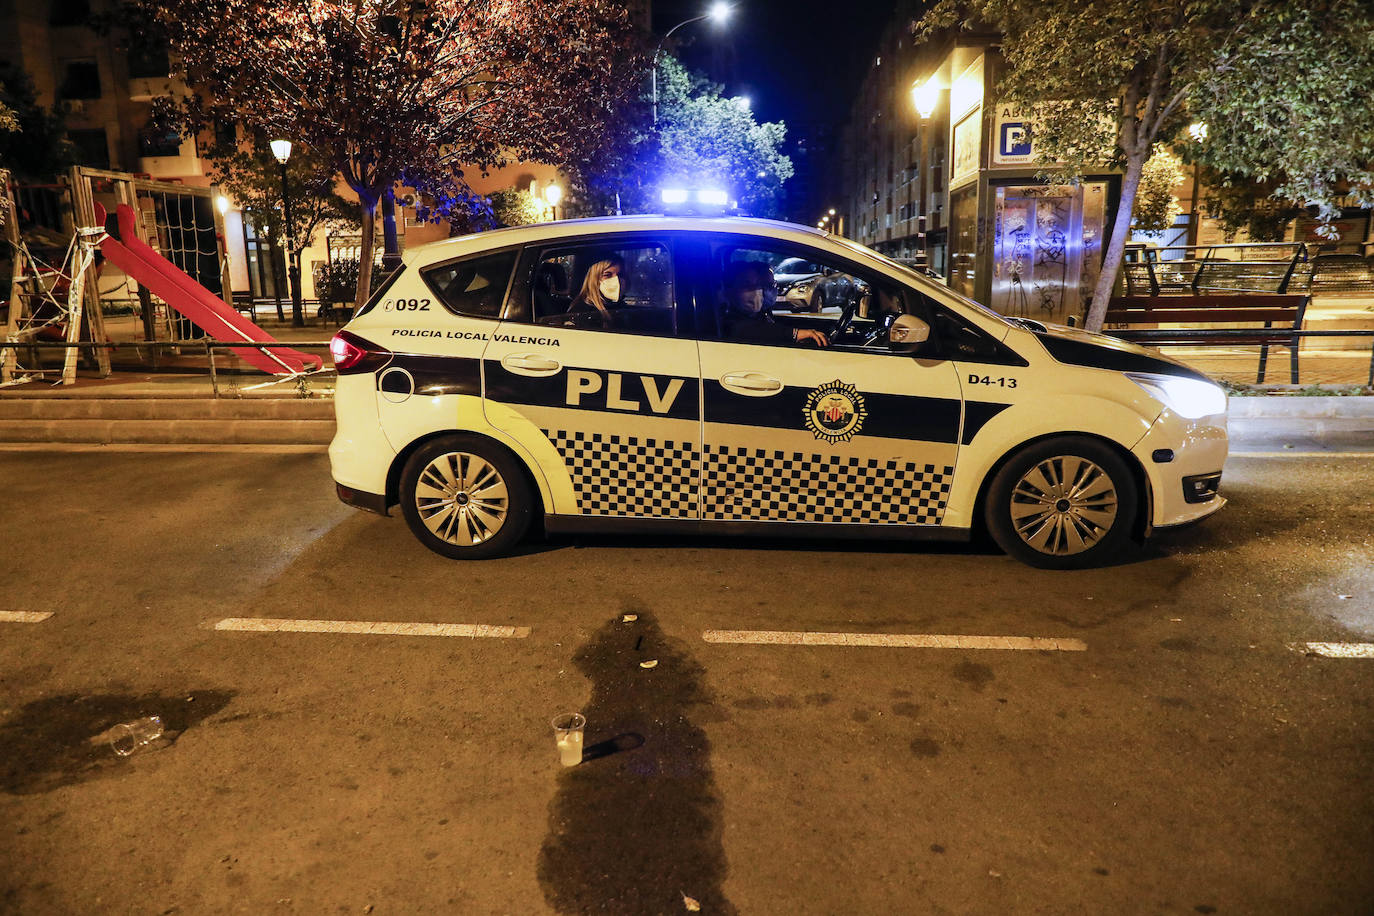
x=369, y=628
x=1287, y=454
x=24, y=616
x=1337, y=649
x=892, y=640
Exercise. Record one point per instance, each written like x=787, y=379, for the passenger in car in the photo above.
x=601, y=292
x=747, y=317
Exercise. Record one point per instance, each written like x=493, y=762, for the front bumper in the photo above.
x=1183, y=461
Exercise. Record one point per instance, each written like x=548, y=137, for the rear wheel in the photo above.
x=818, y=301
x=1065, y=503
x=465, y=497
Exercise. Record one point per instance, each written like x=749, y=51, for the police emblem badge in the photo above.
x=834, y=412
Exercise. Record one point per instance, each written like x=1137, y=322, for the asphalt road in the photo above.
x=1187, y=760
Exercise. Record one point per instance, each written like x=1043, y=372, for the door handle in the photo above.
x=530, y=364
x=754, y=384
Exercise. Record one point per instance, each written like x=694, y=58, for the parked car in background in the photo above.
x=806, y=286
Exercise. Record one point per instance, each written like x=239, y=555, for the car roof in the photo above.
x=575, y=228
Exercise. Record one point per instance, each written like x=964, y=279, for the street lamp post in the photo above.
x=718, y=12
x=282, y=150
x=553, y=194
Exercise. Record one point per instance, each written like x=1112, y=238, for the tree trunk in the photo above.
x=391, y=247
x=1116, y=245
x=365, y=244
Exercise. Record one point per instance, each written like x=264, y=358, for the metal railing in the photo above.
x=1249, y=267
x=207, y=347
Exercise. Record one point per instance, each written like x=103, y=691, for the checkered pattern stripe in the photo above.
x=745, y=483
x=626, y=475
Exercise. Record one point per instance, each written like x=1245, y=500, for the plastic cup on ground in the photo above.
x=567, y=732
x=128, y=737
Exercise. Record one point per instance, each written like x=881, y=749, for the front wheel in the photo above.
x=465, y=498
x=1065, y=503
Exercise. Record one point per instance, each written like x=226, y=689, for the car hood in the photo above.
x=1077, y=347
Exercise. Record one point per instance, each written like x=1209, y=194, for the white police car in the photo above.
x=619, y=374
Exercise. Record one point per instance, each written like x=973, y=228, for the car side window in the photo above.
x=474, y=287
x=607, y=286
x=797, y=290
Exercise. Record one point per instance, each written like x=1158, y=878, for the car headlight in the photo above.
x=1190, y=398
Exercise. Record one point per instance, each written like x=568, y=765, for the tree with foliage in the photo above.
x=252, y=176
x=1156, y=207
x=702, y=138
x=1104, y=80
x=33, y=140
x=396, y=91
x=516, y=207
x=1287, y=100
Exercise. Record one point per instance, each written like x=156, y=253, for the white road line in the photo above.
x=1288, y=454
x=24, y=616
x=897, y=640
x=369, y=628
x=170, y=447
x=1337, y=649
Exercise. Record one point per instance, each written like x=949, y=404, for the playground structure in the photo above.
x=162, y=250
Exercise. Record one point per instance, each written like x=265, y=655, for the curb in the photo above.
x=1297, y=407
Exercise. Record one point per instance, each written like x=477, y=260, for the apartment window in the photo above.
x=93, y=148
x=226, y=135
x=148, y=60
x=80, y=80
x=69, y=12
x=158, y=143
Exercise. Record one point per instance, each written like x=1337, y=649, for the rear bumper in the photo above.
x=371, y=502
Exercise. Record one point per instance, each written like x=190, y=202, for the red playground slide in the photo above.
x=176, y=287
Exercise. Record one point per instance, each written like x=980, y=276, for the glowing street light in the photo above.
x=718, y=13
x=832, y=211
x=281, y=149
x=926, y=97
x=221, y=204
x=743, y=101
x=553, y=194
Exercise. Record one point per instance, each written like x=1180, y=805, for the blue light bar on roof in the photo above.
x=674, y=195
x=713, y=197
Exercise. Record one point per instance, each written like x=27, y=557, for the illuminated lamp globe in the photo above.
x=926, y=96
x=282, y=150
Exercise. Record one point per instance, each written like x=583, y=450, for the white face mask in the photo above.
x=610, y=288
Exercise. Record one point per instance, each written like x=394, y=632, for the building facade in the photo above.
x=933, y=168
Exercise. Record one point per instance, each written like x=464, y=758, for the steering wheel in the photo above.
x=851, y=309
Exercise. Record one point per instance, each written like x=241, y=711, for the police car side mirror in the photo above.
x=907, y=334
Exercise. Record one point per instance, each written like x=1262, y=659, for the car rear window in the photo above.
x=475, y=287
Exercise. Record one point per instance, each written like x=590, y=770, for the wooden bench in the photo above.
x=1280, y=315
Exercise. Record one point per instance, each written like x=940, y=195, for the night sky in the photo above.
x=798, y=60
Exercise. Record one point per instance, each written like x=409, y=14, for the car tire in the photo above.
x=818, y=301
x=1064, y=503
x=465, y=497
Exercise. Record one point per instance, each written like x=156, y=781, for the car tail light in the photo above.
x=352, y=354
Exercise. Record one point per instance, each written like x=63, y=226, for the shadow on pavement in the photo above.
x=637, y=828
x=48, y=743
